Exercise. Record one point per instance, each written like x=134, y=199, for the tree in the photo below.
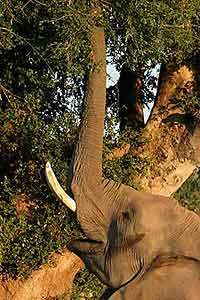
x=45, y=60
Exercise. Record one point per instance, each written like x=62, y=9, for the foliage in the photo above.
x=153, y=31
x=27, y=240
x=34, y=110
x=189, y=193
x=86, y=286
x=191, y=104
x=121, y=169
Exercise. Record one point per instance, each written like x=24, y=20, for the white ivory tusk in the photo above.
x=57, y=189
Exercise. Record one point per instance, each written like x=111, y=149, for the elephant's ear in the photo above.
x=122, y=262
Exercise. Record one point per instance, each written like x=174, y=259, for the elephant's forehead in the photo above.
x=152, y=212
x=150, y=203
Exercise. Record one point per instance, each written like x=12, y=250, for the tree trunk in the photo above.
x=130, y=104
x=173, y=134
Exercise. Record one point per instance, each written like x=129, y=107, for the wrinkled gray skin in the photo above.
x=174, y=279
x=139, y=228
x=126, y=230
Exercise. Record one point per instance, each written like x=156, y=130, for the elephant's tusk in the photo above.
x=57, y=189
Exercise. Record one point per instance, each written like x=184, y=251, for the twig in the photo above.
x=6, y=91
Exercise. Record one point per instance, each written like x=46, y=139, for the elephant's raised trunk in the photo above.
x=88, y=154
x=86, y=176
x=87, y=162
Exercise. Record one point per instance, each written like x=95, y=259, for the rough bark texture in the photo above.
x=173, y=133
x=48, y=281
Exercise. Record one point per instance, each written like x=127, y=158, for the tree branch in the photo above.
x=173, y=134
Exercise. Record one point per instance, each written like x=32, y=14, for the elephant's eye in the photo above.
x=126, y=215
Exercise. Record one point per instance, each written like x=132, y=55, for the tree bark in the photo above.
x=173, y=133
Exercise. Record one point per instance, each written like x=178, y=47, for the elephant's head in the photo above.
x=128, y=229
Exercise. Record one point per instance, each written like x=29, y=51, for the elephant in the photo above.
x=140, y=227
x=125, y=229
